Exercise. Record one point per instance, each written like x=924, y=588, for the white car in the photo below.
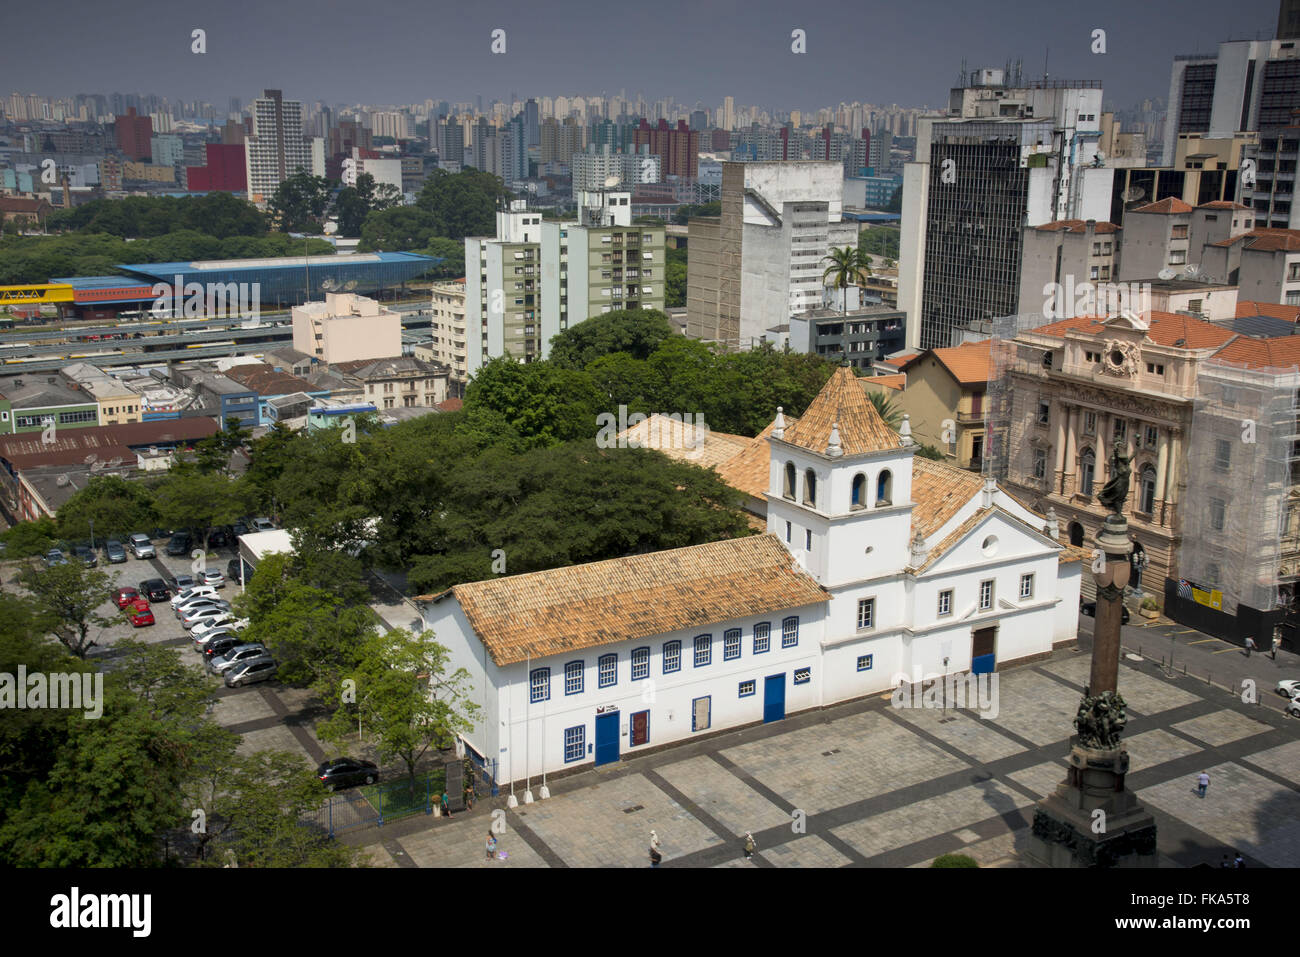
x=263, y=525
x=197, y=604
x=1289, y=687
x=1292, y=708
x=208, y=613
x=203, y=631
x=193, y=591
x=141, y=547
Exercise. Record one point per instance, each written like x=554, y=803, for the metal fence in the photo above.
x=379, y=804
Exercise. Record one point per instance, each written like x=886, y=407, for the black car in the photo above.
x=232, y=571
x=1089, y=608
x=87, y=556
x=346, y=772
x=155, y=589
x=217, y=538
x=219, y=646
x=239, y=528
x=179, y=544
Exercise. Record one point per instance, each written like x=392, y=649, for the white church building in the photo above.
x=877, y=567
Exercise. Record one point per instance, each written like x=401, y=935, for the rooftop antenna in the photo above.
x=1046, y=55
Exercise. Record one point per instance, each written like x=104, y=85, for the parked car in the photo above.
x=263, y=525
x=1289, y=687
x=347, y=772
x=1292, y=708
x=114, y=551
x=139, y=616
x=1089, y=608
x=54, y=557
x=179, y=544
x=239, y=528
x=193, y=591
x=181, y=582
x=125, y=596
x=247, y=673
x=233, y=570
x=155, y=589
x=220, y=645
x=206, y=613
x=213, y=578
x=204, y=629
x=87, y=556
x=217, y=538
x=204, y=635
x=220, y=664
x=141, y=547
x=191, y=611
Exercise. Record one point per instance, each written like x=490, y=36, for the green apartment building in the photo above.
x=29, y=402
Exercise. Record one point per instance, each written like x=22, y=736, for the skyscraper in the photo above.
x=277, y=148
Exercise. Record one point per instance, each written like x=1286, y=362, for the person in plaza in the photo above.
x=749, y=845
x=446, y=804
x=1238, y=862
x=1202, y=783
x=1250, y=645
x=1226, y=862
x=1277, y=643
x=656, y=855
x=491, y=846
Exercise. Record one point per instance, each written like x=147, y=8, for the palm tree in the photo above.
x=888, y=411
x=846, y=267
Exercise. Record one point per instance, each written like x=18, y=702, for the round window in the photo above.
x=1116, y=357
x=990, y=546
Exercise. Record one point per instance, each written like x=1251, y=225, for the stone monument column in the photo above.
x=1093, y=820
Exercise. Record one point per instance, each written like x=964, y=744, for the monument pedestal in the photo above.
x=1067, y=833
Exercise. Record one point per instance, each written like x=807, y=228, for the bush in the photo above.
x=954, y=860
x=1150, y=604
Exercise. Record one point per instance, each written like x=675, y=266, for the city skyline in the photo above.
x=683, y=53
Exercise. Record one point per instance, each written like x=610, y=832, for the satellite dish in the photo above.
x=1167, y=273
x=331, y=228
x=90, y=459
x=612, y=181
x=115, y=461
x=1132, y=194
x=327, y=283
x=350, y=285
x=1193, y=270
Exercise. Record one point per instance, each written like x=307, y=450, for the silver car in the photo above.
x=240, y=653
x=141, y=547
x=249, y=672
x=207, y=613
x=201, y=601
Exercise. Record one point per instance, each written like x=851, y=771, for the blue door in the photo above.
x=606, y=738
x=774, y=697
x=983, y=653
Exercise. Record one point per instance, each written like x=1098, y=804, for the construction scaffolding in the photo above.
x=1010, y=414
x=1238, y=547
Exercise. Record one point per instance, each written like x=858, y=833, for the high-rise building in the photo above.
x=277, y=148
x=728, y=113
x=532, y=123
x=678, y=147
x=604, y=169
x=134, y=135
x=395, y=125
x=1009, y=154
x=225, y=170
x=763, y=259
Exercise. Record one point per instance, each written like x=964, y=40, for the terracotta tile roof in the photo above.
x=1247, y=308
x=968, y=363
x=1073, y=553
x=939, y=491
x=750, y=470
x=586, y=606
x=451, y=405
x=842, y=402
x=265, y=380
x=1281, y=353
x=677, y=441
x=1274, y=240
x=1165, y=329
x=1170, y=204
x=895, y=381
x=1222, y=204
x=1077, y=226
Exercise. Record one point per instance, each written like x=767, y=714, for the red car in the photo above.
x=125, y=596
x=140, y=616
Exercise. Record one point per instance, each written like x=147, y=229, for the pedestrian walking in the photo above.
x=1238, y=862
x=1226, y=862
x=656, y=855
x=446, y=804
x=1277, y=643
x=1202, y=783
x=1250, y=645
x=749, y=845
x=492, y=846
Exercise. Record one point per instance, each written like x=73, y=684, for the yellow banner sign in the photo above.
x=48, y=293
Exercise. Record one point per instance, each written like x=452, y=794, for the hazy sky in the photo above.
x=402, y=51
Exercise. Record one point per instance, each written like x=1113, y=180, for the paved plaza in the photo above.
x=871, y=785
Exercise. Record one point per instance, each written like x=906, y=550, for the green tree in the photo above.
x=116, y=506
x=543, y=402
x=354, y=203
x=214, y=453
x=199, y=500
x=452, y=254
x=675, y=285
x=66, y=599
x=929, y=452
x=684, y=213
x=638, y=332
x=462, y=204
x=298, y=204
x=890, y=413
x=400, y=229
x=28, y=539
x=404, y=698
